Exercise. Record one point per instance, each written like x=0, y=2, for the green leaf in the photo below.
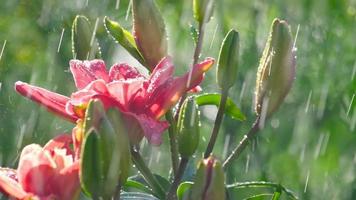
x=161, y=180
x=124, y=38
x=137, y=185
x=183, y=188
x=214, y=99
x=259, y=197
x=84, y=46
x=90, y=171
x=276, y=195
x=136, y=195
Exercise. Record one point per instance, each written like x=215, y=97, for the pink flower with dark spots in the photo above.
x=44, y=173
x=143, y=100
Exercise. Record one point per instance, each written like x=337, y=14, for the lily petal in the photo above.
x=11, y=187
x=62, y=141
x=151, y=128
x=52, y=101
x=168, y=94
x=35, y=170
x=123, y=72
x=84, y=72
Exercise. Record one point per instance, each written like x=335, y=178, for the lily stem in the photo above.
x=147, y=174
x=217, y=123
x=172, y=194
x=173, y=142
x=243, y=143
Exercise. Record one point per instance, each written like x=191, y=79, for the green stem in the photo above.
x=173, y=142
x=147, y=174
x=243, y=143
x=217, y=124
x=172, y=194
x=254, y=184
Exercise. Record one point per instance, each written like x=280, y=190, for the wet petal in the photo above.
x=169, y=93
x=52, y=101
x=143, y=125
x=9, y=186
x=62, y=141
x=84, y=72
x=35, y=170
x=123, y=72
x=162, y=72
x=125, y=92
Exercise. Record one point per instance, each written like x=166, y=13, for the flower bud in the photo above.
x=84, y=47
x=105, y=158
x=276, y=71
x=203, y=10
x=149, y=31
x=188, y=127
x=228, y=60
x=209, y=181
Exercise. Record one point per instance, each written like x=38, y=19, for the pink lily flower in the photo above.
x=143, y=100
x=43, y=173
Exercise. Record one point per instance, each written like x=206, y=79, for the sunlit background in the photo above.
x=309, y=145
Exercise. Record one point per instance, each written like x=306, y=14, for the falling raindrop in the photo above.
x=60, y=41
x=308, y=101
x=158, y=156
x=295, y=39
x=242, y=92
x=302, y=154
x=322, y=102
x=353, y=122
x=94, y=32
x=117, y=4
x=352, y=75
x=325, y=143
x=2, y=49
x=247, y=163
x=275, y=123
x=318, y=146
x=348, y=110
x=214, y=34
x=226, y=145
x=128, y=10
x=263, y=113
x=306, y=182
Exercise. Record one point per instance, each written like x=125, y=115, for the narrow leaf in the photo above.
x=214, y=99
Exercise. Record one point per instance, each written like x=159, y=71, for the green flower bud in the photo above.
x=188, y=127
x=228, y=60
x=105, y=158
x=149, y=31
x=209, y=181
x=84, y=47
x=203, y=10
x=276, y=71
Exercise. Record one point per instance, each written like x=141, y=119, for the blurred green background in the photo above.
x=309, y=145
